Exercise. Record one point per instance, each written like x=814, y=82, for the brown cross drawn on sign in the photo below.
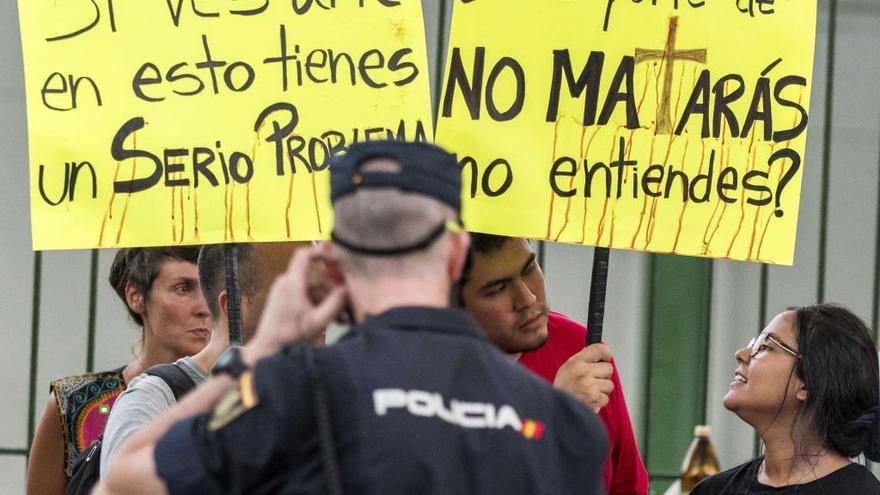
x=669, y=55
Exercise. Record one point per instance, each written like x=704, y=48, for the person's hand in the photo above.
x=318, y=281
x=587, y=376
x=291, y=315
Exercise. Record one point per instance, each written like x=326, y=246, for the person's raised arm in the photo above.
x=291, y=314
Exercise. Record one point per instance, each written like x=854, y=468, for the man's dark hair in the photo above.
x=140, y=267
x=838, y=366
x=212, y=273
x=488, y=243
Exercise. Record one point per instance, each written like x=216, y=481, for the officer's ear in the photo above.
x=330, y=258
x=458, y=254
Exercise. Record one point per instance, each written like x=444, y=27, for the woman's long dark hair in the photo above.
x=839, y=368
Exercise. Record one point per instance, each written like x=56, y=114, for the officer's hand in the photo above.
x=587, y=376
x=291, y=314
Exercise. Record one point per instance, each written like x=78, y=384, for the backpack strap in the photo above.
x=177, y=380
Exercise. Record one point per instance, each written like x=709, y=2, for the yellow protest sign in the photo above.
x=672, y=126
x=179, y=122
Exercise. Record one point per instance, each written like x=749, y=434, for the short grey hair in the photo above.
x=386, y=218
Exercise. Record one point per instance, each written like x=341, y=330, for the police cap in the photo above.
x=424, y=169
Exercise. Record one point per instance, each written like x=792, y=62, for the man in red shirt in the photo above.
x=504, y=291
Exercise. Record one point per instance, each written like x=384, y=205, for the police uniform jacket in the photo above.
x=422, y=404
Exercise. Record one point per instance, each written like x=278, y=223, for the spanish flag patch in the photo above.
x=532, y=430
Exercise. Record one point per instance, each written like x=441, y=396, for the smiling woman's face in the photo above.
x=765, y=387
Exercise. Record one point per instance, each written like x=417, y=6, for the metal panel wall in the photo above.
x=16, y=259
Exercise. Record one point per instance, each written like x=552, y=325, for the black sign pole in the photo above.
x=599, y=280
x=233, y=299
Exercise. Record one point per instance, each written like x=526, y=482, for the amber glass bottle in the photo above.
x=700, y=461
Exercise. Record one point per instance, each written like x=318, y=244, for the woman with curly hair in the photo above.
x=160, y=289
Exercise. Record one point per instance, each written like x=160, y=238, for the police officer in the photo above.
x=419, y=401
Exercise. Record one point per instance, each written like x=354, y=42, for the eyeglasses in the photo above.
x=760, y=341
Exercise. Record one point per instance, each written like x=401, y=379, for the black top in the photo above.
x=852, y=479
x=422, y=404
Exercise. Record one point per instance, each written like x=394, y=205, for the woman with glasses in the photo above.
x=808, y=385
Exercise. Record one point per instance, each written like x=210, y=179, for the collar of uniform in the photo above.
x=441, y=320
